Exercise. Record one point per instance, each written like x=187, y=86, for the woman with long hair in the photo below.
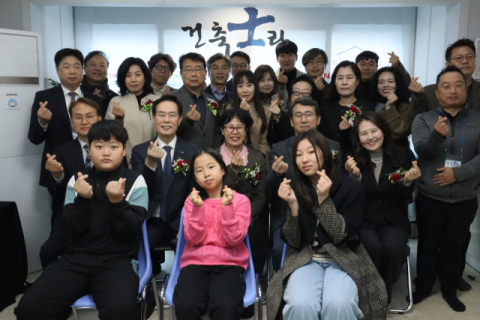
x=387, y=173
x=215, y=220
x=328, y=273
x=247, y=96
x=391, y=100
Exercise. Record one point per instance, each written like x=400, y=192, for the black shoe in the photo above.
x=454, y=303
x=418, y=296
x=150, y=302
x=463, y=285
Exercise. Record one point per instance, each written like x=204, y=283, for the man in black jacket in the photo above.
x=50, y=121
x=95, y=80
x=68, y=159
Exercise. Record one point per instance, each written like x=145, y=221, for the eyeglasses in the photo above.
x=190, y=70
x=308, y=115
x=88, y=117
x=314, y=62
x=230, y=129
x=459, y=59
x=159, y=67
x=239, y=66
x=303, y=94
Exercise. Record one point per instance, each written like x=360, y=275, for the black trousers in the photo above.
x=56, y=244
x=159, y=231
x=218, y=289
x=387, y=246
x=114, y=288
x=443, y=229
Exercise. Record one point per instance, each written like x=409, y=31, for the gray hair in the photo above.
x=219, y=56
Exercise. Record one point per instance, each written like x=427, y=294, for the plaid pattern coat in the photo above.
x=356, y=263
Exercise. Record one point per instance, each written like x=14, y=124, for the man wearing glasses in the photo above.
x=162, y=67
x=240, y=62
x=462, y=55
x=315, y=61
x=67, y=160
x=201, y=110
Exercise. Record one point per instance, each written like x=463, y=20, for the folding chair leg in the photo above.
x=75, y=313
x=258, y=301
x=172, y=312
x=157, y=301
x=409, y=285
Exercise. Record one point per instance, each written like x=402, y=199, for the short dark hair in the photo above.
x=366, y=55
x=448, y=69
x=161, y=56
x=194, y=57
x=309, y=102
x=304, y=78
x=93, y=54
x=241, y=114
x=464, y=42
x=87, y=101
x=217, y=157
x=401, y=90
x=303, y=187
x=241, y=54
x=61, y=54
x=332, y=93
x=168, y=97
x=105, y=129
x=219, y=56
x=123, y=70
x=312, y=54
x=286, y=46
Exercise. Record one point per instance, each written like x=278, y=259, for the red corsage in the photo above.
x=212, y=106
x=397, y=176
x=180, y=165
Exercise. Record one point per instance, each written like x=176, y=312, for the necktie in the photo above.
x=88, y=160
x=167, y=174
x=72, y=97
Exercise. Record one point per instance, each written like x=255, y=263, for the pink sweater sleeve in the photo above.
x=235, y=220
x=194, y=222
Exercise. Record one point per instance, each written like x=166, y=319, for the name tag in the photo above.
x=453, y=161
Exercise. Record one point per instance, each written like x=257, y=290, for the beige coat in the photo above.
x=140, y=125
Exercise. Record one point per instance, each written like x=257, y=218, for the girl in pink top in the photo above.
x=215, y=220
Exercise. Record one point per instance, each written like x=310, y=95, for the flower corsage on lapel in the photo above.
x=147, y=106
x=397, y=176
x=351, y=113
x=212, y=106
x=252, y=175
x=335, y=155
x=180, y=165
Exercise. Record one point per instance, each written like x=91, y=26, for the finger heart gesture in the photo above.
x=195, y=198
x=227, y=196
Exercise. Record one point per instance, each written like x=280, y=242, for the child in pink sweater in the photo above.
x=216, y=221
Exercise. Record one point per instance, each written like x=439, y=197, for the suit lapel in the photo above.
x=209, y=113
x=77, y=155
x=176, y=153
x=59, y=102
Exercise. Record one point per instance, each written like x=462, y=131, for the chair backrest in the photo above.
x=144, y=259
x=248, y=275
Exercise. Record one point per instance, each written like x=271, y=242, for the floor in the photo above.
x=433, y=308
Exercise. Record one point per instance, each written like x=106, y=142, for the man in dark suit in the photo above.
x=218, y=67
x=169, y=183
x=50, y=121
x=315, y=60
x=200, y=124
x=68, y=159
x=305, y=115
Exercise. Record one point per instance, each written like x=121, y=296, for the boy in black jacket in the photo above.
x=104, y=211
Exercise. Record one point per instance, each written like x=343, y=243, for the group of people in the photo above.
x=321, y=171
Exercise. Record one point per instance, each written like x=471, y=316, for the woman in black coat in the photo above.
x=388, y=173
x=341, y=95
x=326, y=274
